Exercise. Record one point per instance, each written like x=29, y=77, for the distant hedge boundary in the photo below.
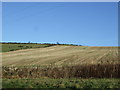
x=38, y=43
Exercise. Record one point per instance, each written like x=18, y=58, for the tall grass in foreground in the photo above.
x=78, y=71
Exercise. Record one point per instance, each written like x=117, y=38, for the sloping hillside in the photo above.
x=61, y=55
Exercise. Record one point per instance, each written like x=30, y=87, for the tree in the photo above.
x=29, y=42
x=58, y=43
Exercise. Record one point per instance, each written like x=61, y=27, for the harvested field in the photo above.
x=61, y=56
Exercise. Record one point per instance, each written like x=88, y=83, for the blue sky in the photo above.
x=83, y=23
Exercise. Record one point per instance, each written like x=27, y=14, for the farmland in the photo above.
x=60, y=62
x=6, y=47
x=61, y=56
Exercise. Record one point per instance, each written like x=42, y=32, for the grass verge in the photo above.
x=61, y=83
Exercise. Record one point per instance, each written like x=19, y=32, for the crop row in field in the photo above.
x=78, y=71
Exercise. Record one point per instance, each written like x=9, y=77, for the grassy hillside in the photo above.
x=6, y=47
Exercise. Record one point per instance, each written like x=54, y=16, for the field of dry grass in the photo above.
x=61, y=56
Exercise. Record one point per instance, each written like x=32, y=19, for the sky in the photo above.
x=82, y=23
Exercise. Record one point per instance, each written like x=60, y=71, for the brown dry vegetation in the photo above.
x=79, y=71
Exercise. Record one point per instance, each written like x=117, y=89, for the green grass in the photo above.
x=61, y=83
x=6, y=47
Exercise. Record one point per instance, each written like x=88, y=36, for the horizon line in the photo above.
x=30, y=42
